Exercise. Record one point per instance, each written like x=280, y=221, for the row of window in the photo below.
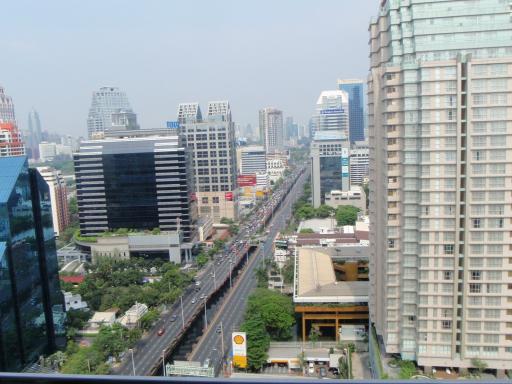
x=213, y=171
x=212, y=162
x=214, y=188
x=204, y=154
x=211, y=145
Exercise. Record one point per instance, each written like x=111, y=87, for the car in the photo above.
x=311, y=369
x=219, y=329
x=334, y=371
x=202, y=297
x=323, y=371
x=173, y=318
x=198, y=283
x=161, y=331
x=194, y=300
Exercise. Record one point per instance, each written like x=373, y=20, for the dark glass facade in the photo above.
x=330, y=175
x=135, y=183
x=31, y=302
x=355, y=109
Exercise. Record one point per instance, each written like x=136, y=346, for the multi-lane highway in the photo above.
x=216, y=340
x=150, y=350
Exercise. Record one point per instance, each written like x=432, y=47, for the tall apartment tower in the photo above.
x=332, y=112
x=440, y=127
x=212, y=143
x=11, y=141
x=137, y=180
x=58, y=197
x=32, y=303
x=35, y=134
x=354, y=90
x=271, y=129
x=105, y=102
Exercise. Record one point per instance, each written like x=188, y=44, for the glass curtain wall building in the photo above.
x=440, y=123
x=31, y=303
x=354, y=90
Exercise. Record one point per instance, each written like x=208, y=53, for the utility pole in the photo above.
x=214, y=279
x=182, y=315
x=230, y=284
x=222, y=340
x=163, y=363
x=205, y=318
x=133, y=362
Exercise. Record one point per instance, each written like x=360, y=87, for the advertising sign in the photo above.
x=239, y=341
x=173, y=124
x=246, y=180
x=331, y=111
x=228, y=196
x=344, y=162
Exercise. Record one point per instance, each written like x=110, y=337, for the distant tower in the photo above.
x=354, y=89
x=6, y=108
x=35, y=136
x=11, y=143
x=332, y=112
x=271, y=129
x=105, y=102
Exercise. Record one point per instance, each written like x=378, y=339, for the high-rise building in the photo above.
x=34, y=135
x=105, y=102
x=355, y=92
x=291, y=130
x=11, y=143
x=271, y=129
x=47, y=151
x=32, y=304
x=440, y=129
x=359, y=162
x=332, y=112
x=123, y=120
x=58, y=197
x=6, y=108
x=329, y=164
x=212, y=143
x=139, y=182
x=253, y=160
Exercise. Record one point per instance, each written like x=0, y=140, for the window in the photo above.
x=448, y=249
x=447, y=275
x=446, y=324
x=215, y=199
x=476, y=223
x=475, y=288
x=476, y=275
x=492, y=313
x=474, y=313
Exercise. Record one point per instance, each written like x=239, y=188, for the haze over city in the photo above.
x=280, y=53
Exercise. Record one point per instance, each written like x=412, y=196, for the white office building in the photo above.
x=332, y=113
x=359, y=162
x=271, y=129
x=253, y=160
x=105, y=102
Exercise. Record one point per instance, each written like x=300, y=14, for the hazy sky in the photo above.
x=255, y=53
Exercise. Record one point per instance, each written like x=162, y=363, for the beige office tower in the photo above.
x=440, y=125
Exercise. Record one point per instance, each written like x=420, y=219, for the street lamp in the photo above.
x=230, y=266
x=133, y=361
x=163, y=363
x=182, y=315
x=205, y=318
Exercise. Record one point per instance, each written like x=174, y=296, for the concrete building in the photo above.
x=124, y=120
x=271, y=129
x=329, y=164
x=139, y=182
x=359, y=162
x=332, y=112
x=47, y=151
x=204, y=227
x=131, y=317
x=212, y=143
x=440, y=123
x=74, y=301
x=58, y=198
x=35, y=135
x=105, y=102
x=6, y=108
x=354, y=196
x=354, y=90
x=252, y=160
x=11, y=143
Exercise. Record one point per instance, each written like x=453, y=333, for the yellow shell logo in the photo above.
x=238, y=339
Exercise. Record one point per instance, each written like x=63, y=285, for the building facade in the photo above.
x=252, y=160
x=439, y=103
x=332, y=112
x=329, y=165
x=271, y=129
x=105, y=102
x=359, y=162
x=212, y=143
x=135, y=182
x=32, y=303
x=11, y=142
x=354, y=90
x=6, y=108
x=58, y=197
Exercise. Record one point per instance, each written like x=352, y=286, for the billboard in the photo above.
x=344, y=162
x=246, y=180
x=228, y=196
x=172, y=124
x=239, y=342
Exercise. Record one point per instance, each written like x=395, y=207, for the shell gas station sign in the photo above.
x=239, y=341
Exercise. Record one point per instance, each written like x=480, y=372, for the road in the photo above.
x=231, y=313
x=150, y=349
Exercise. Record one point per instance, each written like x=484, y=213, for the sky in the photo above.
x=258, y=53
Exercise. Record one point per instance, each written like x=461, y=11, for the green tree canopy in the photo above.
x=346, y=215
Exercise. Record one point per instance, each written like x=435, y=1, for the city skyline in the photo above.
x=60, y=86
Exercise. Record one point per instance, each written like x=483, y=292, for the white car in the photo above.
x=311, y=369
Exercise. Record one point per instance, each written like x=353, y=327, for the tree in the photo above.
x=480, y=365
x=149, y=318
x=324, y=211
x=366, y=189
x=258, y=342
x=261, y=277
x=346, y=215
x=288, y=271
x=225, y=220
x=306, y=230
x=407, y=369
x=201, y=259
x=110, y=340
x=314, y=334
x=304, y=212
x=233, y=229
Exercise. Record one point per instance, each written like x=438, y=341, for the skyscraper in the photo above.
x=212, y=142
x=271, y=129
x=354, y=90
x=440, y=128
x=105, y=102
x=58, y=197
x=35, y=134
x=140, y=182
x=6, y=108
x=291, y=129
x=332, y=112
x=32, y=303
